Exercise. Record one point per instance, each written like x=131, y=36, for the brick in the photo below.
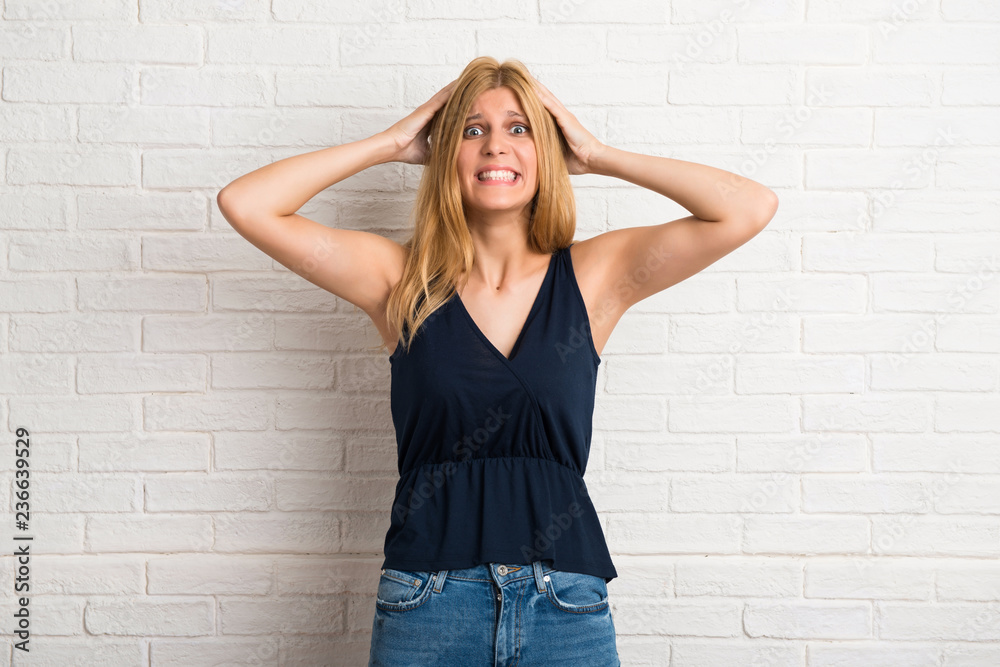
x=67, y=83
x=207, y=333
x=872, y=86
x=849, y=168
x=216, y=411
x=174, y=294
x=273, y=371
x=705, y=12
x=962, y=579
x=210, y=574
x=150, y=534
x=277, y=451
x=970, y=86
x=954, y=45
x=933, y=372
x=60, y=414
x=303, y=616
x=728, y=85
x=810, y=535
x=813, y=452
x=289, y=293
x=399, y=46
x=804, y=124
x=661, y=44
x=141, y=373
x=745, y=493
x=975, y=414
x=808, y=620
x=535, y=44
x=296, y=532
x=856, y=253
x=642, y=532
x=221, y=492
x=208, y=86
x=923, y=452
x=100, y=452
x=84, y=652
x=281, y=125
x=214, y=651
x=859, y=11
x=706, y=414
x=88, y=575
x=821, y=45
x=780, y=374
x=22, y=374
x=806, y=294
x=938, y=621
x=170, y=211
x=27, y=211
x=738, y=577
x=865, y=494
x=174, y=45
x=92, y=492
x=867, y=412
x=185, y=617
x=56, y=166
x=638, y=375
x=283, y=45
x=893, y=579
x=91, y=332
x=866, y=333
x=910, y=535
x=36, y=295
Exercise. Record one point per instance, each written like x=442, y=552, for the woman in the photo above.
x=495, y=319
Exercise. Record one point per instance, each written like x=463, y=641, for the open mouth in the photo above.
x=498, y=177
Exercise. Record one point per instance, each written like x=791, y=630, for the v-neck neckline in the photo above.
x=524, y=327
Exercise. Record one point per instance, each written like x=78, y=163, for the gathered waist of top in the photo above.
x=517, y=509
x=477, y=459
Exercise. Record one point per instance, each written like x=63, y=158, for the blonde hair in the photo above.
x=440, y=249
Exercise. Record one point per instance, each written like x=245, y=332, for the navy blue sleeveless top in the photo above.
x=491, y=450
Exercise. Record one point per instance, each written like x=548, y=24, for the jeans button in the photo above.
x=502, y=569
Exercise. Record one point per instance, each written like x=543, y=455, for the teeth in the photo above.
x=497, y=175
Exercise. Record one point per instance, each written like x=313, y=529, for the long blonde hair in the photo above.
x=440, y=249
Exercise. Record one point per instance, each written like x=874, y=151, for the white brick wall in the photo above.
x=796, y=453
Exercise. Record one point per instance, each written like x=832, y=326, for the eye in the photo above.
x=473, y=127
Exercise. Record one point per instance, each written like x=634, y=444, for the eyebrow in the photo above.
x=476, y=116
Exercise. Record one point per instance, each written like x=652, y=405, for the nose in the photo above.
x=495, y=143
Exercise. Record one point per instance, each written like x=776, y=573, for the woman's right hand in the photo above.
x=411, y=133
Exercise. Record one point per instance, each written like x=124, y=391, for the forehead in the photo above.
x=500, y=99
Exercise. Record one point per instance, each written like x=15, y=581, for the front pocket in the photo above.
x=402, y=590
x=576, y=592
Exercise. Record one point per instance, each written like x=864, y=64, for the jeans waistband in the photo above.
x=499, y=573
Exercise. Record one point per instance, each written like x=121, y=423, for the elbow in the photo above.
x=224, y=200
x=764, y=212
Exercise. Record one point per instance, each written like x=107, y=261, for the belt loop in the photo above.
x=539, y=581
x=439, y=580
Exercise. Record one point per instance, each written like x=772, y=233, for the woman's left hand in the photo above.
x=583, y=145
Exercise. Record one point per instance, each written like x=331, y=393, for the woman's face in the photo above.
x=497, y=133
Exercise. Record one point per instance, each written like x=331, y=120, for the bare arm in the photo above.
x=728, y=210
x=283, y=187
x=356, y=266
x=636, y=262
x=711, y=194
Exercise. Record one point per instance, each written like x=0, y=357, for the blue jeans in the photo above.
x=492, y=615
